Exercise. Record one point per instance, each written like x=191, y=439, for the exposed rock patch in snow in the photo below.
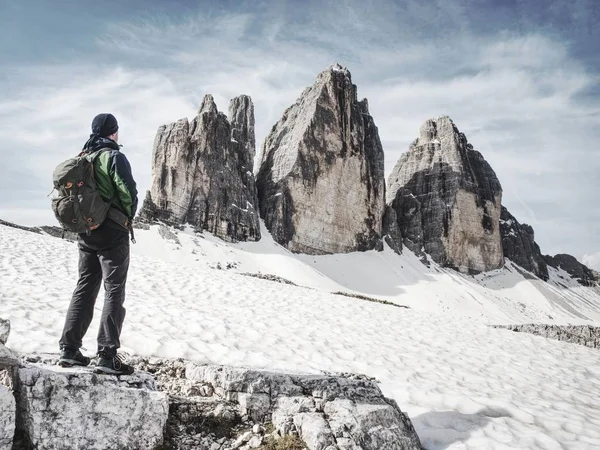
x=369, y=299
x=577, y=334
x=270, y=277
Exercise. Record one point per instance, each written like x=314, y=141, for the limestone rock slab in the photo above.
x=75, y=409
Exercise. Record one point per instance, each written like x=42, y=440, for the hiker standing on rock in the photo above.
x=98, y=200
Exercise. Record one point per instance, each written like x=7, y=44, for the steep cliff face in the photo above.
x=518, y=244
x=203, y=172
x=447, y=200
x=321, y=180
x=582, y=273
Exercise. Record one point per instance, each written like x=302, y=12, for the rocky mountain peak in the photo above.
x=202, y=173
x=208, y=105
x=321, y=180
x=447, y=199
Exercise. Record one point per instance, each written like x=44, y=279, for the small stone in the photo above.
x=207, y=391
x=258, y=429
x=4, y=330
x=241, y=440
x=255, y=441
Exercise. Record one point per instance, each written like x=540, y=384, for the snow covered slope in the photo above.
x=465, y=385
x=509, y=295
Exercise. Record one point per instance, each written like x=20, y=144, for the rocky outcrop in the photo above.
x=518, y=244
x=579, y=271
x=7, y=418
x=328, y=412
x=203, y=173
x=321, y=179
x=447, y=200
x=586, y=335
x=7, y=400
x=74, y=409
x=208, y=407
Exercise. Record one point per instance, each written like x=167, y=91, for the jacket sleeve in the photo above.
x=124, y=184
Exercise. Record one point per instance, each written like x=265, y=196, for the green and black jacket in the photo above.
x=113, y=175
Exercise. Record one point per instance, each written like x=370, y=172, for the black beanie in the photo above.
x=105, y=125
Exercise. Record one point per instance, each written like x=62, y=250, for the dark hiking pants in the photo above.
x=103, y=255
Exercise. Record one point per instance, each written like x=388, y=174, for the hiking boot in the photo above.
x=70, y=358
x=113, y=365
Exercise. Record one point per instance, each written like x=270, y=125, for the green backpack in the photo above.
x=79, y=207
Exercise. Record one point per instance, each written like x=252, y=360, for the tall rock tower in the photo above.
x=321, y=180
x=447, y=200
x=203, y=172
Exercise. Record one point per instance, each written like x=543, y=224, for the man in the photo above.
x=103, y=255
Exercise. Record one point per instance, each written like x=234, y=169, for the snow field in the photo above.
x=464, y=385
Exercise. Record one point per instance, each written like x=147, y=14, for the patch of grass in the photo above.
x=369, y=299
x=287, y=442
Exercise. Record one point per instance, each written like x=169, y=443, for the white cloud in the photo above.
x=592, y=261
x=515, y=96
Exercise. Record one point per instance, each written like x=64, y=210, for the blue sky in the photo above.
x=520, y=78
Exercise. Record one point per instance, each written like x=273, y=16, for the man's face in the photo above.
x=114, y=137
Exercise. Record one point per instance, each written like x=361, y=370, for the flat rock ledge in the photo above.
x=176, y=404
x=576, y=334
x=76, y=409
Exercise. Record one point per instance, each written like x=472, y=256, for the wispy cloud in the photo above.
x=515, y=94
x=592, y=261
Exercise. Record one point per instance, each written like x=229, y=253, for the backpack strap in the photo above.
x=119, y=217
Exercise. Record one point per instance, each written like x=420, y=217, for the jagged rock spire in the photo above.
x=202, y=172
x=321, y=179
